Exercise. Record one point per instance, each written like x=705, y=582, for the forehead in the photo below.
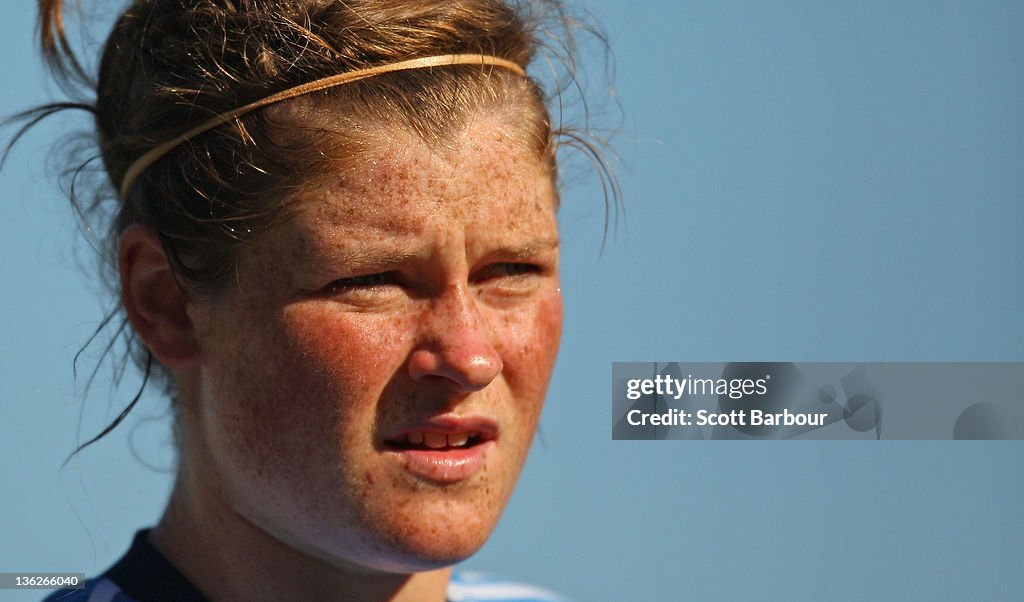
x=486, y=178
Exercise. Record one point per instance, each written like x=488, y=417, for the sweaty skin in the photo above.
x=422, y=288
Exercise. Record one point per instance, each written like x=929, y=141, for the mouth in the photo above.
x=436, y=441
x=443, y=450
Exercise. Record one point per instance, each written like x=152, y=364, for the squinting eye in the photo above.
x=517, y=269
x=509, y=269
x=368, y=281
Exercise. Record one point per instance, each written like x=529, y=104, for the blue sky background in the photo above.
x=803, y=181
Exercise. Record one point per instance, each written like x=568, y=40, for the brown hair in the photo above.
x=169, y=65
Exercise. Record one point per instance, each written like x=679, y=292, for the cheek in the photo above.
x=545, y=335
x=339, y=369
x=529, y=346
x=298, y=392
x=345, y=357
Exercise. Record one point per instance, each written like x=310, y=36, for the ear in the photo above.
x=157, y=307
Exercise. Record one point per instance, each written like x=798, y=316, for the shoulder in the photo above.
x=94, y=590
x=472, y=586
x=141, y=574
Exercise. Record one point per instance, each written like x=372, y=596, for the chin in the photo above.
x=430, y=544
x=421, y=561
x=412, y=558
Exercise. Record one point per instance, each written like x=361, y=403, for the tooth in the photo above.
x=415, y=438
x=458, y=439
x=435, y=440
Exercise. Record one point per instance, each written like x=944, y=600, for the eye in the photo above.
x=365, y=283
x=508, y=270
x=519, y=269
x=509, y=277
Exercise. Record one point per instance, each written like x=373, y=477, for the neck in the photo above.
x=228, y=558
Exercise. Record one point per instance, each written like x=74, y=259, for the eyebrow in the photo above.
x=526, y=250
x=363, y=257
x=384, y=256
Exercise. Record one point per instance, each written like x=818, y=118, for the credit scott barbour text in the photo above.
x=734, y=418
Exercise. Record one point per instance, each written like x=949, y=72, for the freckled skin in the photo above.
x=300, y=383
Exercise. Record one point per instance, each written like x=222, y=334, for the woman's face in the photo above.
x=369, y=389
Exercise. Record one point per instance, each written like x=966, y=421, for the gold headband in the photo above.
x=154, y=154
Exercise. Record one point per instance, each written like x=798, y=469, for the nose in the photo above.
x=455, y=344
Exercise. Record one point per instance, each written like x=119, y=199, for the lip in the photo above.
x=449, y=465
